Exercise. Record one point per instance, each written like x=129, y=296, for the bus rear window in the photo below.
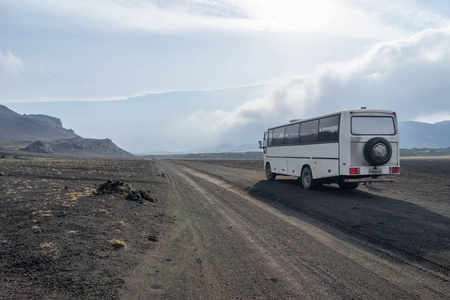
x=373, y=126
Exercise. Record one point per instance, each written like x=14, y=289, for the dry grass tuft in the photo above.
x=50, y=249
x=117, y=244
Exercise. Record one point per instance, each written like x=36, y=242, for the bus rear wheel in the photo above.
x=269, y=174
x=308, y=181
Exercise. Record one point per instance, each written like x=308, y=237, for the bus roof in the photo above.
x=358, y=110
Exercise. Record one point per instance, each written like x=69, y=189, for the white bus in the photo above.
x=347, y=147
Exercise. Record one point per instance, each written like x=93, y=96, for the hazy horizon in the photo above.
x=92, y=120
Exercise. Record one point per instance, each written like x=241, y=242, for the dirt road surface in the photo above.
x=213, y=229
x=238, y=236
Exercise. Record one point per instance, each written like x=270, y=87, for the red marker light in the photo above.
x=394, y=170
x=353, y=171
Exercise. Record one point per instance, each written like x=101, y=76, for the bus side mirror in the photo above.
x=260, y=144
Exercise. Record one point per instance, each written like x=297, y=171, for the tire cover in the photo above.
x=372, y=152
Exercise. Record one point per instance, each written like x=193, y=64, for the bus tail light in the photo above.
x=394, y=170
x=354, y=171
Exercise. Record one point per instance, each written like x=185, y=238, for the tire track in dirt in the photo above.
x=170, y=272
x=383, y=262
x=248, y=235
x=300, y=277
x=237, y=224
x=201, y=257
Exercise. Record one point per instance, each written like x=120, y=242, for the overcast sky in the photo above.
x=297, y=58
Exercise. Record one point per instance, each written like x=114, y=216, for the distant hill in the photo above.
x=423, y=135
x=79, y=147
x=22, y=129
x=45, y=134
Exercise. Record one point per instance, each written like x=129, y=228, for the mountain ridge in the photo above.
x=25, y=128
x=414, y=134
x=45, y=134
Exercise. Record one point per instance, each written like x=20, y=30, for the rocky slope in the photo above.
x=79, y=147
x=45, y=135
x=15, y=128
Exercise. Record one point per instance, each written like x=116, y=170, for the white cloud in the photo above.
x=339, y=17
x=433, y=118
x=154, y=16
x=408, y=13
x=10, y=65
x=409, y=76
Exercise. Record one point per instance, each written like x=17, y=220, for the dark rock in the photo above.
x=112, y=187
x=61, y=213
x=152, y=238
x=146, y=196
x=135, y=196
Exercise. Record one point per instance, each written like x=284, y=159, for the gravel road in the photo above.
x=236, y=235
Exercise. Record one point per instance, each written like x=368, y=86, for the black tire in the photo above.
x=307, y=180
x=348, y=185
x=269, y=174
x=299, y=179
x=377, y=151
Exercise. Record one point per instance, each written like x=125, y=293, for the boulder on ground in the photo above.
x=112, y=187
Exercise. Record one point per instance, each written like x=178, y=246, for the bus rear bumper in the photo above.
x=368, y=179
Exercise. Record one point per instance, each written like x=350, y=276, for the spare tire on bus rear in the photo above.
x=377, y=151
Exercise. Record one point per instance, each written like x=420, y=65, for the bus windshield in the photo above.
x=373, y=125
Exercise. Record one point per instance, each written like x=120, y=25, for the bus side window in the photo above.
x=270, y=138
x=329, y=129
x=309, y=132
x=291, y=135
x=278, y=136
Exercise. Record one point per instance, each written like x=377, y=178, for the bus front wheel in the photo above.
x=308, y=181
x=269, y=174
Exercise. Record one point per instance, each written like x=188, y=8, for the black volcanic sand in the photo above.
x=60, y=241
